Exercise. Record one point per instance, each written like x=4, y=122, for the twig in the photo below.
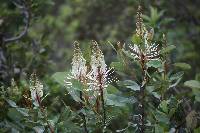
x=143, y=102
x=103, y=106
x=82, y=115
x=102, y=96
x=81, y=104
x=25, y=12
x=142, y=92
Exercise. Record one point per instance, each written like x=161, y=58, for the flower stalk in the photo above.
x=145, y=52
x=36, y=88
x=98, y=74
x=165, y=57
x=102, y=96
x=95, y=79
x=79, y=70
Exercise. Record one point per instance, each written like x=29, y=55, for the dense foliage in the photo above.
x=141, y=74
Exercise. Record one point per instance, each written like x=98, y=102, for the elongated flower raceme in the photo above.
x=79, y=68
x=36, y=88
x=148, y=51
x=78, y=72
x=94, y=81
x=100, y=77
x=143, y=52
x=140, y=27
x=98, y=72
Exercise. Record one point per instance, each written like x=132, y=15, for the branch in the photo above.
x=23, y=7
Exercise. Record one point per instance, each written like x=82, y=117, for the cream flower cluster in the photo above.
x=98, y=72
x=79, y=68
x=149, y=51
x=36, y=88
x=96, y=77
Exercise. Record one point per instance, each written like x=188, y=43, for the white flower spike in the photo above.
x=79, y=68
x=36, y=88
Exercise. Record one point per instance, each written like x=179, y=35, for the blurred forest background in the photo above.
x=53, y=26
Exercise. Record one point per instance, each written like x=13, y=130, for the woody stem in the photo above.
x=100, y=78
x=142, y=94
x=43, y=113
x=142, y=109
x=103, y=106
x=82, y=115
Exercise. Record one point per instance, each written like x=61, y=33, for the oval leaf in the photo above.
x=168, y=49
x=60, y=77
x=154, y=63
x=183, y=66
x=192, y=84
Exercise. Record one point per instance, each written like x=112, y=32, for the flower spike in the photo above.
x=36, y=88
x=79, y=68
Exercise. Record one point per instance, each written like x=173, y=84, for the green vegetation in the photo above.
x=72, y=66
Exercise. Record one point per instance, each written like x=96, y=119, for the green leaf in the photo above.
x=136, y=39
x=159, y=129
x=23, y=111
x=65, y=114
x=176, y=76
x=154, y=15
x=154, y=63
x=75, y=95
x=145, y=17
x=168, y=49
x=197, y=98
x=112, y=46
x=156, y=95
x=176, y=83
x=60, y=77
x=191, y=119
x=183, y=66
x=133, y=86
x=11, y=103
x=175, y=79
x=118, y=66
x=128, y=54
x=14, y=114
x=151, y=90
x=77, y=85
x=115, y=100
x=163, y=106
x=112, y=89
x=39, y=129
x=197, y=130
x=161, y=117
x=192, y=84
